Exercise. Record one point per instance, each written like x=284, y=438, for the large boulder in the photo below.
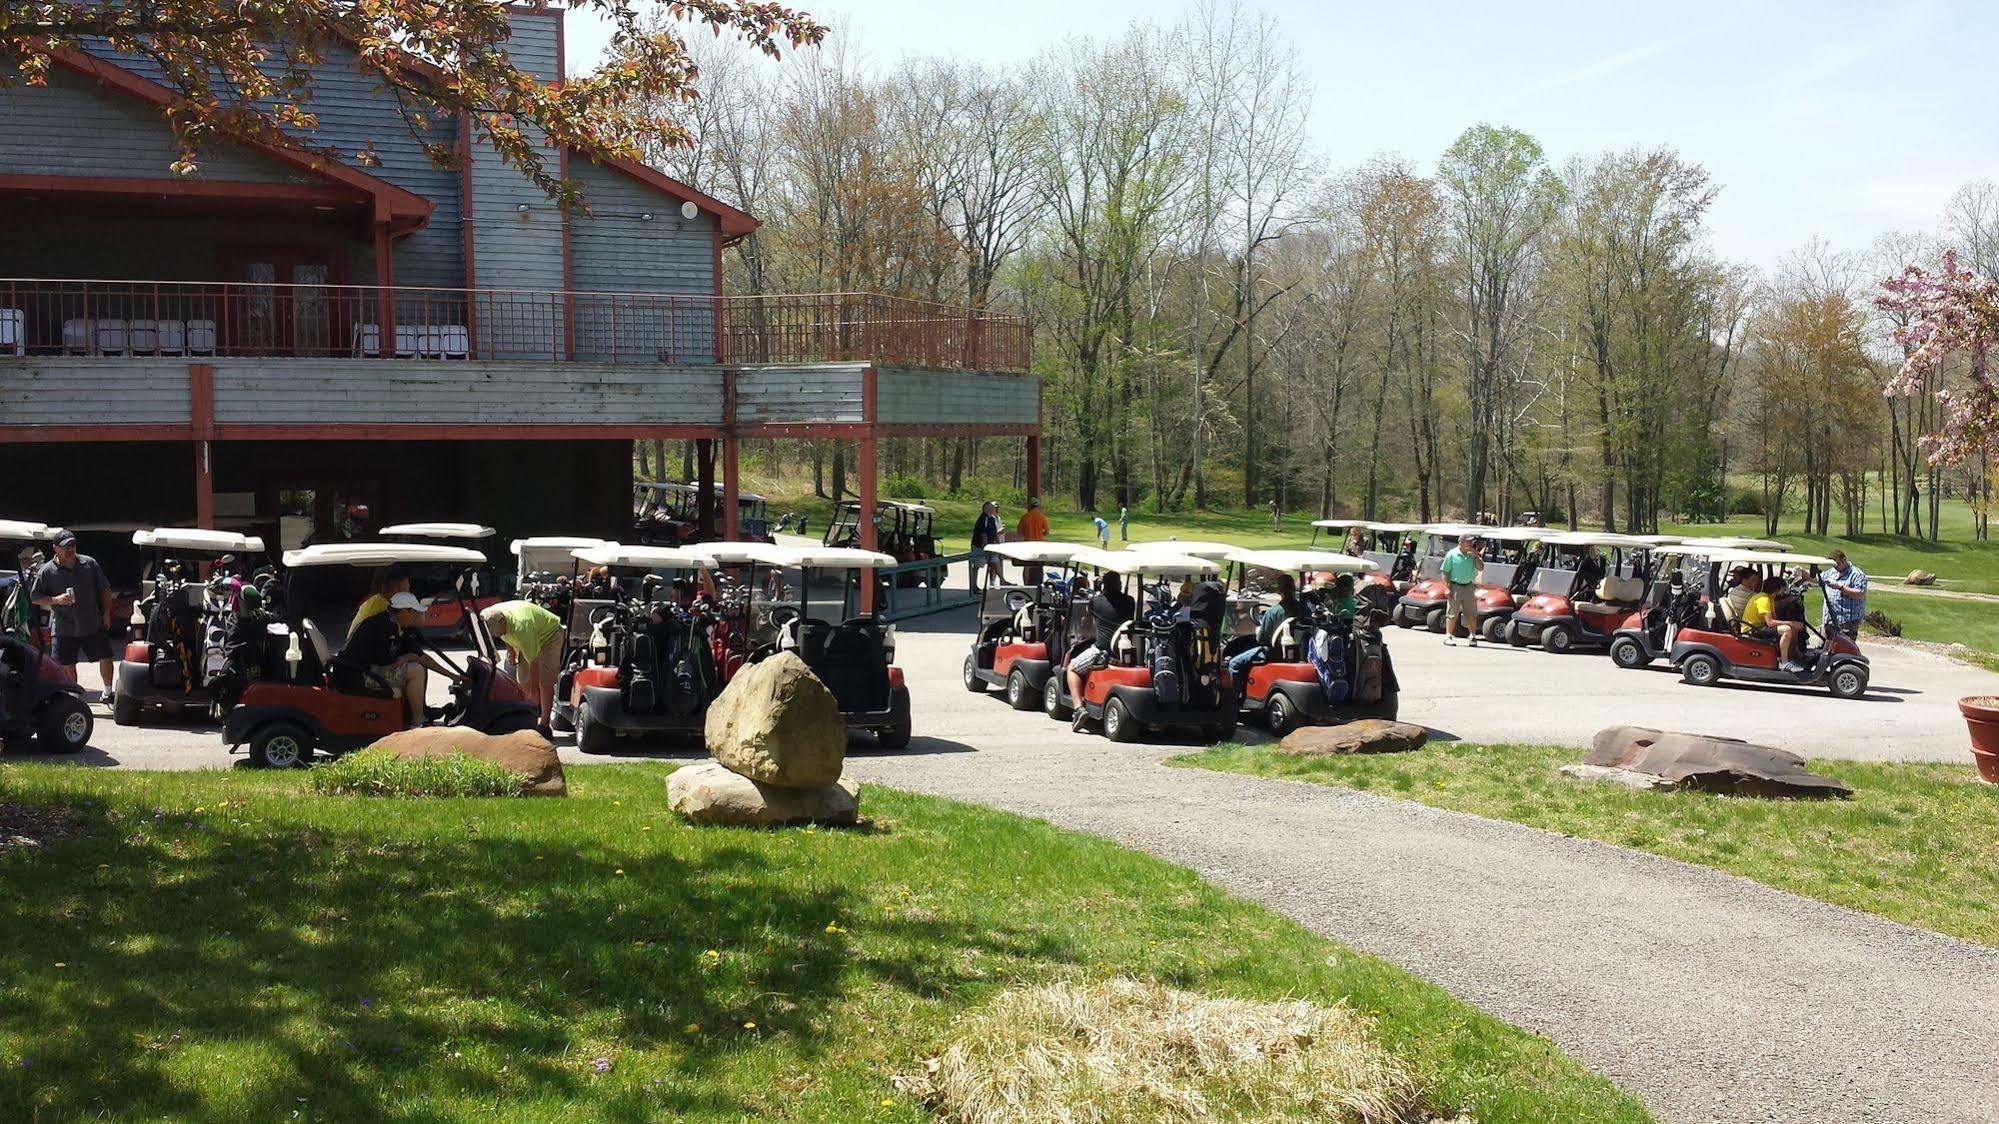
x=1369, y=735
x=1920, y=577
x=525, y=752
x=708, y=793
x=1723, y=765
x=777, y=724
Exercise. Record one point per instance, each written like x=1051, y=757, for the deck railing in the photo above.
x=246, y=319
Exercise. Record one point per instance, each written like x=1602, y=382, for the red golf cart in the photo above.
x=1428, y=594
x=177, y=659
x=295, y=711
x=1585, y=587
x=855, y=657
x=648, y=666
x=1018, y=622
x=1327, y=668
x=1164, y=670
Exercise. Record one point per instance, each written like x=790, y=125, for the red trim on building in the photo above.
x=231, y=190
x=406, y=210
x=735, y=225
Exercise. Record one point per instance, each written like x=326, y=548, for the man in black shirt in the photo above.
x=387, y=648
x=72, y=587
x=1111, y=607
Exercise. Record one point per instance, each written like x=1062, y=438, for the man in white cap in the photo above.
x=387, y=650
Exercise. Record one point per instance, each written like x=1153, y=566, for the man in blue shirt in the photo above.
x=1845, y=595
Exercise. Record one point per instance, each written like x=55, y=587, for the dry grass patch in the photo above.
x=1125, y=1049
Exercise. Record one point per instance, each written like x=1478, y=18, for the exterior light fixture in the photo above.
x=523, y=208
x=689, y=211
x=646, y=217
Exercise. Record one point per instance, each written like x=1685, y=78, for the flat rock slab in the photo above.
x=708, y=793
x=525, y=752
x=776, y=723
x=1623, y=778
x=1710, y=764
x=1369, y=735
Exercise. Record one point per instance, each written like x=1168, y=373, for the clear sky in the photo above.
x=1836, y=118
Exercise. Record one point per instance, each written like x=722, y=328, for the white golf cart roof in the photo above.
x=745, y=553
x=1212, y=551
x=1597, y=538
x=1659, y=540
x=22, y=529
x=1044, y=553
x=831, y=558
x=198, y=538
x=441, y=530
x=680, y=489
x=1393, y=528
x=1514, y=534
x=1144, y=563
x=548, y=550
x=1303, y=561
x=1762, y=558
x=645, y=557
x=382, y=554
x=1727, y=543
x=1451, y=530
x=1342, y=524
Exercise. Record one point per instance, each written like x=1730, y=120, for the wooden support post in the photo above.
x=385, y=288
x=704, y=499
x=865, y=490
x=201, y=426
x=1034, y=467
x=732, y=480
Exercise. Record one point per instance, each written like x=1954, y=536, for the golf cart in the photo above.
x=1017, y=622
x=1586, y=586
x=648, y=667
x=1706, y=645
x=544, y=570
x=17, y=535
x=1330, y=667
x=1387, y=545
x=1164, y=669
x=854, y=658
x=37, y=699
x=444, y=609
x=177, y=660
x=295, y=710
x=904, y=532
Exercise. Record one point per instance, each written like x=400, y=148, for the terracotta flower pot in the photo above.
x=1981, y=714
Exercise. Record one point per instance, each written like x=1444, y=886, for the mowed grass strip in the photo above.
x=226, y=946
x=1915, y=843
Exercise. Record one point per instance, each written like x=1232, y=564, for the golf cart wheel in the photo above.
x=973, y=683
x=1494, y=628
x=1119, y=725
x=1701, y=669
x=1558, y=638
x=1434, y=620
x=592, y=737
x=125, y=710
x=1513, y=635
x=1051, y=699
x=1279, y=714
x=897, y=735
x=281, y=745
x=1019, y=695
x=65, y=725
x=1626, y=653
x=1849, y=681
x=1400, y=617
x=560, y=721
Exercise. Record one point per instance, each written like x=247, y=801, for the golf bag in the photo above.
x=1329, y=655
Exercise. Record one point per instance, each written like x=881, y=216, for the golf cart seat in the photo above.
x=316, y=640
x=1620, y=590
x=853, y=663
x=322, y=652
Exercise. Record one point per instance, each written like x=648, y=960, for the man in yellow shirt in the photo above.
x=535, y=635
x=1760, y=612
x=387, y=583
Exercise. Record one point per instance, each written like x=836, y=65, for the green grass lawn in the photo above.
x=1914, y=844
x=226, y=946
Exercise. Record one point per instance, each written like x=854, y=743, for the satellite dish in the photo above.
x=689, y=211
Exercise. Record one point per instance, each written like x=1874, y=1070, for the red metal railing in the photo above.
x=238, y=319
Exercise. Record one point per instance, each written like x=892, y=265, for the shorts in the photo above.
x=1463, y=602
x=1088, y=660
x=396, y=676
x=549, y=660
x=76, y=649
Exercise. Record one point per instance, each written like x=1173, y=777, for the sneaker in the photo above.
x=1079, y=720
x=1474, y=641
x=1450, y=641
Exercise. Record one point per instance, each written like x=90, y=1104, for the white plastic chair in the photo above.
x=13, y=331
x=143, y=336
x=112, y=336
x=200, y=339
x=78, y=337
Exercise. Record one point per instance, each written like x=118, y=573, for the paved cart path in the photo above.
x=1711, y=997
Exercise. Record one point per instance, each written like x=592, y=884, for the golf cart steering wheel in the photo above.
x=1017, y=599
x=781, y=615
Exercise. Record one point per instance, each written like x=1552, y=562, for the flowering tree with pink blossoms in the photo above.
x=1947, y=313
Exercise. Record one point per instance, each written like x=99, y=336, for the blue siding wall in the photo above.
x=615, y=249
x=74, y=127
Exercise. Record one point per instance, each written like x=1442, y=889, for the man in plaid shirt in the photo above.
x=1845, y=595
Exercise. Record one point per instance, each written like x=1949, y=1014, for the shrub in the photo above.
x=379, y=772
x=1746, y=501
x=904, y=486
x=1882, y=623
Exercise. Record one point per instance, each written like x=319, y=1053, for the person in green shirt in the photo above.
x=1461, y=568
x=535, y=635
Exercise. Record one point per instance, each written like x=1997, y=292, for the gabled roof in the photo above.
x=735, y=224
x=405, y=210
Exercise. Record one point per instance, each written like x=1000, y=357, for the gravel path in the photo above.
x=1711, y=997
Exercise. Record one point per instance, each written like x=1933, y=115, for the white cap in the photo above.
x=405, y=600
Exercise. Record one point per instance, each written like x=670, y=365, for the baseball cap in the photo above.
x=405, y=600
x=65, y=538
